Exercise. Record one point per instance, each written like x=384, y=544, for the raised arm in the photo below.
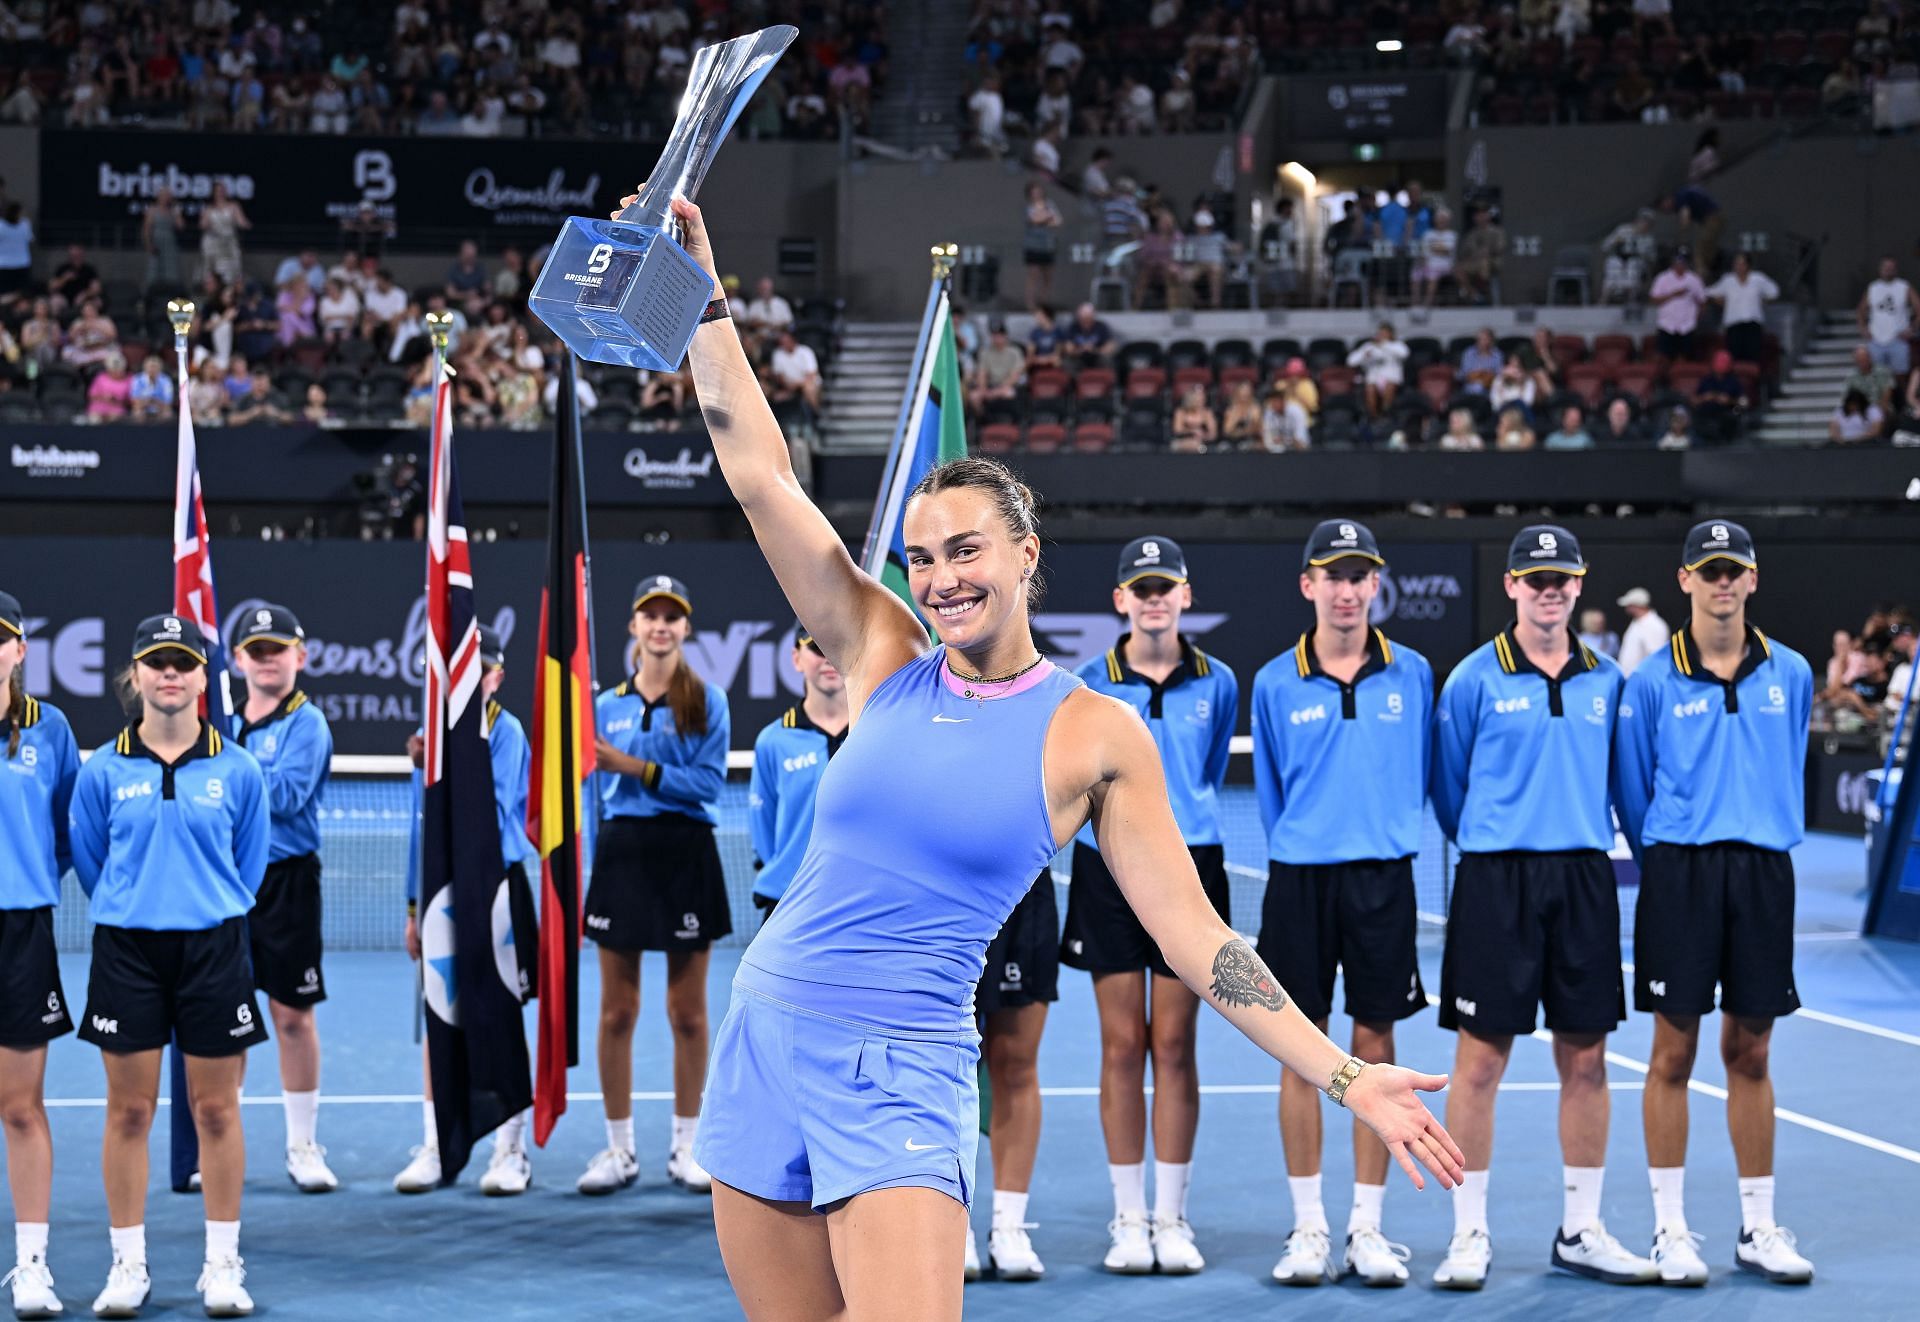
x=1141, y=844
x=863, y=628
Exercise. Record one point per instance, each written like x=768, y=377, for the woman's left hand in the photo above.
x=1386, y=1098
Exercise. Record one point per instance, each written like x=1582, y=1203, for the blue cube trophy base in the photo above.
x=624, y=292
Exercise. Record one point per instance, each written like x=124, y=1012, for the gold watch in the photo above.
x=1343, y=1079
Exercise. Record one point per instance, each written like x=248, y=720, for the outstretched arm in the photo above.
x=1134, y=827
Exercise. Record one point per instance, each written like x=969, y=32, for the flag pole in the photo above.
x=439, y=331
x=945, y=257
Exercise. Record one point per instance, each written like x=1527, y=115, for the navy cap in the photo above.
x=801, y=634
x=270, y=624
x=660, y=585
x=1339, y=539
x=1717, y=539
x=158, y=632
x=1152, y=557
x=1545, y=547
x=11, y=623
x=492, y=651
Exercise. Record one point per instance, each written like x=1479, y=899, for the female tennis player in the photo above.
x=843, y=1076
x=41, y=762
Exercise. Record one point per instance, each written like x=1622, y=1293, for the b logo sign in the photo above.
x=1548, y=542
x=262, y=619
x=600, y=258
x=1150, y=551
x=1719, y=532
x=1348, y=532
x=172, y=625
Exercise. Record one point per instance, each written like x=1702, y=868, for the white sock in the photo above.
x=29, y=1241
x=620, y=1134
x=303, y=1115
x=129, y=1243
x=1170, y=1180
x=1756, y=1203
x=1470, y=1203
x=223, y=1240
x=430, y=1130
x=1009, y=1209
x=1669, y=1197
x=1581, y=1208
x=1129, y=1188
x=1367, y=1202
x=684, y=1128
x=1309, y=1213
x=511, y=1131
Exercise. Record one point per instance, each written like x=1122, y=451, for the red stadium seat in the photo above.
x=1624, y=343
x=1588, y=381
x=1337, y=380
x=1188, y=377
x=1146, y=383
x=1568, y=350
x=999, y=438
x=1045, y=437
x=1047, y=383
x=1436, y=383
x=1686, y=377
x=1638, y=380
x=1093, y=383
x=1092, y=438
x=1233, y=376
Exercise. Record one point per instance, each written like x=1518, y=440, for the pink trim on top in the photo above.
x=993, y=693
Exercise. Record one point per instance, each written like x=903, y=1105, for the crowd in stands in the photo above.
x=1074, y=385
x=1867, y=677
x=425, y=66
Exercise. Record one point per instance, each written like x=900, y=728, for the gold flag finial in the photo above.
x=945, y=257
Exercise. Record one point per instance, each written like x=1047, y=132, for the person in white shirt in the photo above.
x=796, y=372
x=1382, y=361
x=989, y=111
x=584, y=392
x=384, y=299
x=767, y=310
x=1885, y=316
x=1045, y=156
x=1646, y=632
x=1055, y=105
x=1284, y=424
x=1437, y=247
x=1743, y=294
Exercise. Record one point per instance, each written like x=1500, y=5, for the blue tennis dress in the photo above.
x=847, y=1059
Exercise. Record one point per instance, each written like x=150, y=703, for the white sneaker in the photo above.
x=422, y=1174
x=193, y=1182
x=1011, y=1253
x=1597, y=1255
x=1676, y=1258
x=1131, y=1253
x=222, y=1288
x=611, y=1169
x=1306, y=1259
x=689, y=1174
x=508, y=1173
x=33, y=1294
x=307, y=1168
x=972, y=1271
x=127, y=1289
x=1469, y=1254
x=1376, y=1260
x=1773, y=1252
x=1173, y=1250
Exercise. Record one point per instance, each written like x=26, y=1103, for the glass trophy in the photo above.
x=624, y=291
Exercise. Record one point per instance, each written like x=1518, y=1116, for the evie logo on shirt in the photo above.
x=804, y=760
x=1304, y=715
x=1505, y=705
x=1698, y=707
x=138, y=790
x=615, y=727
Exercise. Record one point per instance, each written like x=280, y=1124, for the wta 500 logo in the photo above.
x=1413, y=596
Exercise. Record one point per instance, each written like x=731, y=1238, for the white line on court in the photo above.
x=1836, y=1020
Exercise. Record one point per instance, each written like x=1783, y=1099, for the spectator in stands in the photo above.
x=1870, y=378
x=1134, y=111
x=1482, y=248
x=1719, y=401
x=92, y=337
x=1480, y=364
x=382, y=307
x=1284, y=423
x=1885, y=316
x=1382, y=363
x=1040, y=238
x=23, y=104
x=260, y=403
x=256, y=326
x=1000, y=371
x=221, y=221
x=110, y=391
x=1743, y=294
x=339, y=310
x=1512, y=430
x=238, y=380
x=1627, y=256
x=663, y=395
x=1595, y=634
x=207, y=394
x=1299, y=386
x=767, y=310
x=1706, y=156
x=150, y=398
x=1403, y=224
x=1089, y=339
x=160, y=230
x=1194, y=425
x=1240, y=420
x=1434, y=252
x=41, y=338
x=1121, y=219
x=989, y=111
x=73, y=282
x=1632, y=91
x=1679, y=432
x=1279, y=250
x=1840, y=90
x=1460, y=433
x=795, y=373
x=1646, y=635
x=1177, y=103
x=1571, y=434
x=1856, y=419
x=305, y=263
x=366, y=231
x=1514, y=387
x=510, y=282
x=1207, y=249
x=1095, y=186
x=316, y=409
x=1618, y=426
x=1045, y=154
x=1701, y=221
x=1537, y=357
x=1044, y=340
x=294, y=310
x=467, y=278
x=1678, y=295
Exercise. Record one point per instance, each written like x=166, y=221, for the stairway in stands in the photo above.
x=1809, y=392
x=926, y=78
x=865, y=383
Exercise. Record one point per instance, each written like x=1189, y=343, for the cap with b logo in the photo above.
x=269, y=623
x=1545, y=548
x=1152, y=557
x=661, y=587
x=1718, y=539
x=801, y=634
x=159, y=632
x=1340, y=539
x=12, y=621
x=493, y=652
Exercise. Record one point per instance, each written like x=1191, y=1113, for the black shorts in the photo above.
x=1359, y=918
x=1023, y=961
x=146, y=987
x=657, y=885
x=1527, y=928
x=1720, y=913
x=1103, y=935
x=283, y=930
x=33, y=1006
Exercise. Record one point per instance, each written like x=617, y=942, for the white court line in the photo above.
x=1822, y=1017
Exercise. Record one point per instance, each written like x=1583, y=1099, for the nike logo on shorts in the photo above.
x=951, y=720
x=919, y=1147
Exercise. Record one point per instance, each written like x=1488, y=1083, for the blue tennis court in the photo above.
x=1849, y=1162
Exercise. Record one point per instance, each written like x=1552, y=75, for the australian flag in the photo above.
x=476, y=1047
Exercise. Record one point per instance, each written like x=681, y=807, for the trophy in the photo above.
x=624, y=291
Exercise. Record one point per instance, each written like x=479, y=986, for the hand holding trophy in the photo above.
x=624, y=291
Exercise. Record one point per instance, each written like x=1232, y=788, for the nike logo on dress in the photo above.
x=951, y=720
x=919, y=1147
